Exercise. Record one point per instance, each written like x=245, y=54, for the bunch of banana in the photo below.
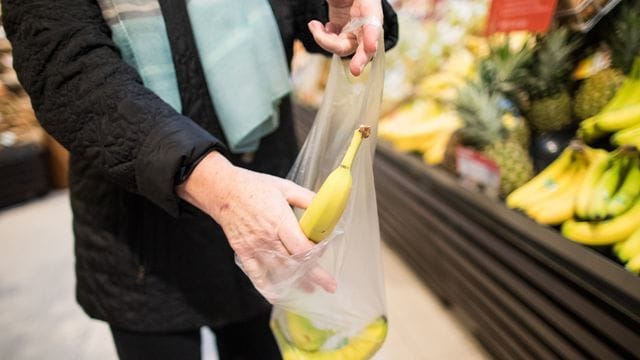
x=628, y=136
x=326, y=208
x=420, y=127
x=550, y=198
x=620, y=116
x=608, y=202
x=628, y=252
x=359, y=347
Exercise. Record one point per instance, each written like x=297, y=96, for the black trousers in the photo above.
x=250, y=340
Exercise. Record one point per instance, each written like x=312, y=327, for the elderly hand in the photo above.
x=362, y=45
x=254, y=211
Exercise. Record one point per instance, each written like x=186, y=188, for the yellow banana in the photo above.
x=417, y=136
x=623, y=199
x=599, y=163
x=634, y=264
x=604, y=189
x=588, y=131
x=303, y=334
x=559, y=205
x=361, y=347
x=434, y=154
x=629, y=135
x=625, y=96
x=629, y=248
x=606, y=232
x=615, y=120
x=548, y=178
x=327, y=206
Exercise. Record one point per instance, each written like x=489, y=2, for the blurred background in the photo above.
x=508, y=186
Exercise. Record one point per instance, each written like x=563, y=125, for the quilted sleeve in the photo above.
x=307, y=10
x=91, y=101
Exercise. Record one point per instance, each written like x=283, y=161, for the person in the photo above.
x=161, y=204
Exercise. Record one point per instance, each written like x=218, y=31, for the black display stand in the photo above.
x=23, y=174
x=522, y=289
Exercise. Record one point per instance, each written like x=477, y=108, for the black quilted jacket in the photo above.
x=144, y=260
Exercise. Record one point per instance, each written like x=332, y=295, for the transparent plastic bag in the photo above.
x=350, y=323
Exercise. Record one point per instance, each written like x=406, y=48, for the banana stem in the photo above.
x=362, y=133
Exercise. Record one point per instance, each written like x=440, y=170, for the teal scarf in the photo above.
x=240, y=50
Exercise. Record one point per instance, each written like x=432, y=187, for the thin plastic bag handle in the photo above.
x=357, y=23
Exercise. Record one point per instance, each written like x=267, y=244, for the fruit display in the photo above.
x=558, y=113
x=621, y=47
x=596, y=91
x=549, y=102
x=608, y=206
x=620, y=116
x=551, y=197
x=420, y=126
x=628, y=251
x=18, y=123
x=299, y=338
x=436, y=56
x=594, y=195
x=487, y=128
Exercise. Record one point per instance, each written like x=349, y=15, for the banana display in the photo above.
x=620, y=117
x=608, y=209
x=628, y=251
x=594, y=195
x=591, y=194
x=326, y=208
x=420, y=126
x=552, y=196
x=299, y=339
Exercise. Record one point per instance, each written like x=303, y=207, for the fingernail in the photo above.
x=362, y=68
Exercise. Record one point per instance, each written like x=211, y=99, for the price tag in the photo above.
x=515, y=15
x=478, y=172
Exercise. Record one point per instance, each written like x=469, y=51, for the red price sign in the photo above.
x=514, y=15
x=477, y=171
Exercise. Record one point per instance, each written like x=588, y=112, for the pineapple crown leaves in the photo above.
x=481, y=112
x=504, y=68
x=624, y=40
x=551, y=65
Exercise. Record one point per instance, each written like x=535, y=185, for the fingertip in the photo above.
x=370, y=39
x=359, y=61
x=371, y=48
x=313, y=25
x=356, y=69
x=331, y=287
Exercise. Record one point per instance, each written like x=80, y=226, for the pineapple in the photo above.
x=505, y=68
x=596, y=91
x=486, y=130
x=624, y=40
x=624, y=43
x=519, y=131
x=546, y=81
x=551, y=112
x=501, y=72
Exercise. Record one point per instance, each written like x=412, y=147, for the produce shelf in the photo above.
x=23, y=174
x=522, y=289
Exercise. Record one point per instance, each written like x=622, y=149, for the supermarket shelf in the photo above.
x=548, y=296
x=522, y=289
